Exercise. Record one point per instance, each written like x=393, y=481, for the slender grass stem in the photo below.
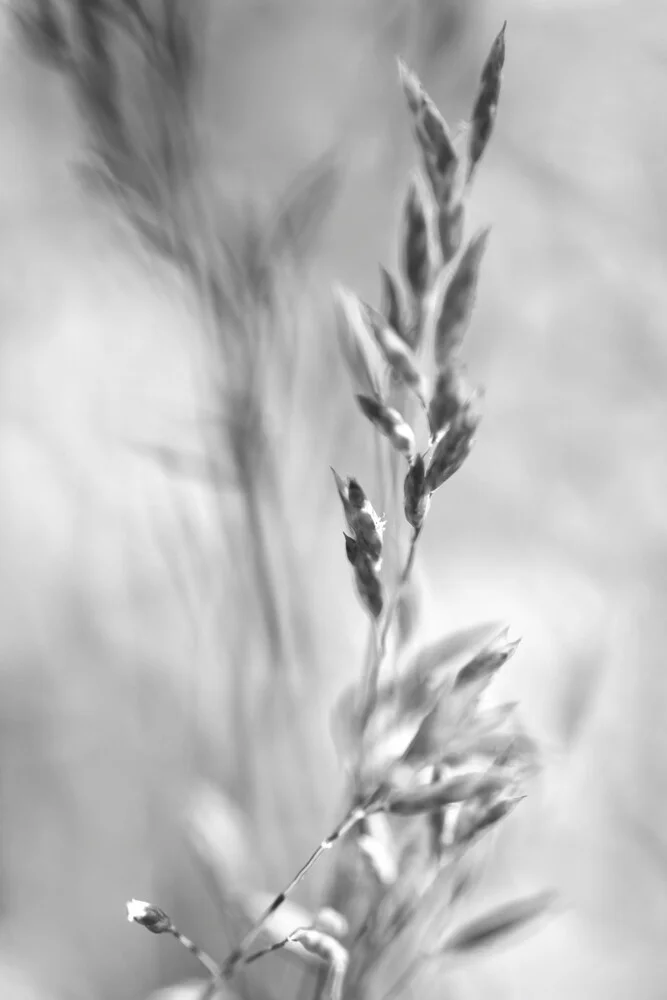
x=352, y=818
x=205, y=959
x=262, y=952
x=382, y=636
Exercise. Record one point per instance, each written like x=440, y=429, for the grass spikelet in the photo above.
x=363, y=548
x=451, y=220
x=439, y=155
x=458, y=300
x=390, y=423
x=366, y=527
x=416, y=255
x=416, y=497
x=444, y=657
x=486, y=663
x=486, y=103
x=450, y=393
x=476, y=818
x=398, y=355
x=367, y=579
x=355, y=341
x=454, y=446
x=444, y=793
x=391, y=303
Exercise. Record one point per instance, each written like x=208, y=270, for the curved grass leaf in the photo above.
x=497, y=925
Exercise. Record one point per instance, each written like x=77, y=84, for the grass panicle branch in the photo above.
x=354, y=816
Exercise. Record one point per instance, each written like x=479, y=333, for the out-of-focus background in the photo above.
x=151, y=636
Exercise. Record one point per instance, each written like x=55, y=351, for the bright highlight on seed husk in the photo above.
x=137, y=910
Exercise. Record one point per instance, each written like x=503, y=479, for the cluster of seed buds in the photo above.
x=363, y=546
x=471, y=753
x=433, y=746
x=454, y=414
x=442, y=166
x=452, y=405
x=442, y=162
x=440, y=206
x=444, y=767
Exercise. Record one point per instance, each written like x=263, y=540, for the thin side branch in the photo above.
x=239, y=953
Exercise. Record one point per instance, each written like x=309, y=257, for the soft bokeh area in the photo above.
x=165, y=621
